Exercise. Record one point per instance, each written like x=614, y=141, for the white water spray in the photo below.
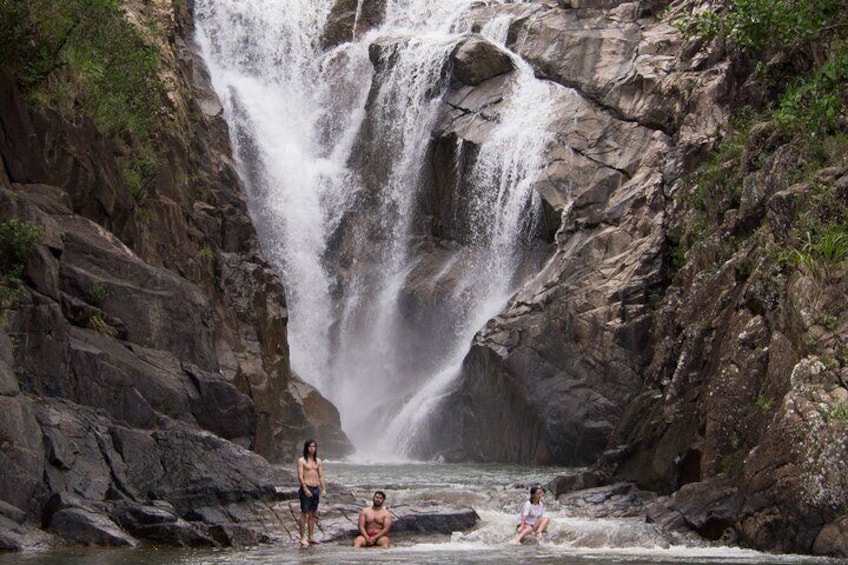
x=332, y=150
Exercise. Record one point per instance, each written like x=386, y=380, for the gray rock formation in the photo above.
x=721, y=381
x=144, y=365
x=352, y=18
x=554, y=372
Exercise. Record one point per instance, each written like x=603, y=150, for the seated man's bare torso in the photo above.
x=375, y=519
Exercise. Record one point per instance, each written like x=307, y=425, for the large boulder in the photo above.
x=350, y=19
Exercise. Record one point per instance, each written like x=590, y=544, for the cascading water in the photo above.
x=333, y=149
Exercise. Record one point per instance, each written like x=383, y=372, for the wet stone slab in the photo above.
x=337, y=522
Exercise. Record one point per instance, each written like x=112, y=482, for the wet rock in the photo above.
x=708, y=507
x=339, y=522
x=620, y=500
x=325, y=418
x=219, y=406
x=160, y=306
x=129, y=338
x=88, y=528
x=22, y=456
x=432, y=518
x=833, y=540
x=476, y=60
x=18, y=535
x=556, y=369
x=134, y=515
x=562, y=484
x=8, y=382
x=351, y=19
x=160, y=523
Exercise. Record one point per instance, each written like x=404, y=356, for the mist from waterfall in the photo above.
x=332, y=149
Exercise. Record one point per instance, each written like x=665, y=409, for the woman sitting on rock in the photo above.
x=532, y=520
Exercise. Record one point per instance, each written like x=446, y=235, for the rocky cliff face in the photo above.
x=555, y=371
x=719, y=379
x=144, y=361
x=742, y=408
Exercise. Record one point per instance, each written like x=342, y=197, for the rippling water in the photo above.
x=495, y=491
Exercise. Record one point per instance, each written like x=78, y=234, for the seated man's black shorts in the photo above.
x=309, y=499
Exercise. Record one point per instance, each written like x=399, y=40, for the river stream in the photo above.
x=494, y=491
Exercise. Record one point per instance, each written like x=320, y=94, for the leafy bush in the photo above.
x=815, y=104
x=17, y=238
x=84, y=58
x=754, y=25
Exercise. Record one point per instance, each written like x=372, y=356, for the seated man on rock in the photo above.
x=374, y=523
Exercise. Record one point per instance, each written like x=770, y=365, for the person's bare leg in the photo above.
x=312, y=518
x=302, y=527
x=359, y=541
x=383, y=542
x=540, y=528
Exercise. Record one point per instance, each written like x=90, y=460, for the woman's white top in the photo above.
x=532, y=512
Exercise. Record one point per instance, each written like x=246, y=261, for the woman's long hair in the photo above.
x=306, y=445
x=533, y=491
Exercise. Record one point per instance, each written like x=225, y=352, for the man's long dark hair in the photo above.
x=306, y=449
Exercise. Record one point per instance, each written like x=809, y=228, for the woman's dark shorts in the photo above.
x=309, y=499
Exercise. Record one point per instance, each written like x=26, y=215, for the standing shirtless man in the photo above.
x=310, y=473
x=374, y=523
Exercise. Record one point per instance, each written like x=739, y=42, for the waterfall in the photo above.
x=333, y=148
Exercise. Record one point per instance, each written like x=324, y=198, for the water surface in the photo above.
x=495, y=491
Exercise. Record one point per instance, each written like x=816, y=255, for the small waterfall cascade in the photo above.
x=333, y=145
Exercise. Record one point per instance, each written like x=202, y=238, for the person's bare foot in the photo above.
x=304, y=542
x=314, y=541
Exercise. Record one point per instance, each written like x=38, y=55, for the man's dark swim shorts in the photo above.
x=309, y=500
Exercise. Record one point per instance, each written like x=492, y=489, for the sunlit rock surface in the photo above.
x=548, y=379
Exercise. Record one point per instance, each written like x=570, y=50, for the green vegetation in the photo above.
x=821, y=253
x=207, y=252
x=820, y=242
x=839, y=412
x=84, y=59
x=805, y=42
x=17, y=238
x=765, y=403
x=806, y=45
x=814, y=103
x=98, y=293
x=757, y=25
x=98, y=324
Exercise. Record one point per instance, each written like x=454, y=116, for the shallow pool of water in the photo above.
x=495, y=491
